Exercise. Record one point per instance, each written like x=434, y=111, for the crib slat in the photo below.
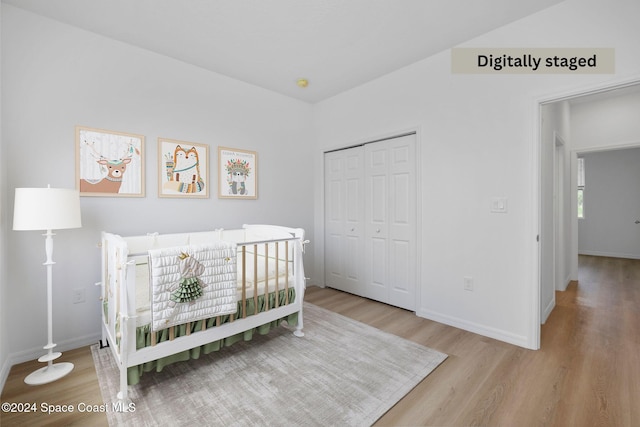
x=286, y=272
x=277, y=272
x=117, y=286
x=172, y=333
x=255, y=279
x=266, y=277
x=244, y=282
x=188, y=328
x=106, y=283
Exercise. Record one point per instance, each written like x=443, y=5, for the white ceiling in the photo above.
x=335, y=44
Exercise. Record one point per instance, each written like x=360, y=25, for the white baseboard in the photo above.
x=476, y=328
x=566, y=282
x=547, y=311
x=4, y=373
x=35, y=353
x=610, y=254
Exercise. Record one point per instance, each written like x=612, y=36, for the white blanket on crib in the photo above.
x=215, y=274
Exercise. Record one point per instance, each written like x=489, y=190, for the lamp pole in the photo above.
x=52, y=371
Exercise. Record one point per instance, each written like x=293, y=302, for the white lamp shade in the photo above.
x=46, y=209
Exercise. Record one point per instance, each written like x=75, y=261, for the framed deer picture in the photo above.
x=238, y=174
x=183, y=169
x=108, y=163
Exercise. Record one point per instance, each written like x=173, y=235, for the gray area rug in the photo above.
x=341, y=373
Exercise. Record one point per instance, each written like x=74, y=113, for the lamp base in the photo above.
x=49, y=373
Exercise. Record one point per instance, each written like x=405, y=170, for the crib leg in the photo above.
x=298, y=332
x=104, y=340
x=123, y=398
x=123, y=405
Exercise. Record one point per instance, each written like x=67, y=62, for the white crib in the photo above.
x=270, y=288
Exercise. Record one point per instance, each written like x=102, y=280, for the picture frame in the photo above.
x=183, y=169
x=109, y=163
x=237, y=173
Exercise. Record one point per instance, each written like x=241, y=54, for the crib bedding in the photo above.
x=144, y=334
x=284, y=275
x=190, y=283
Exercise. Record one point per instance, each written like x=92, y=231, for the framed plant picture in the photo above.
x=183, y=169
x=237, y=173
x=109, y=163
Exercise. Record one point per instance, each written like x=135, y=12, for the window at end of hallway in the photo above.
x=580, y=187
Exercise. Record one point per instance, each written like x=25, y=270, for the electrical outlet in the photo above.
x=468, y=283
x=77, y=296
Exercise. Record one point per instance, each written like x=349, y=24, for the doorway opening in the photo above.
x=579, y=113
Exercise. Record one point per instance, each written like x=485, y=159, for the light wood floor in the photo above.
x=587, y=372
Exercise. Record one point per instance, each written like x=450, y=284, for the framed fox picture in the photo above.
x=183, y=169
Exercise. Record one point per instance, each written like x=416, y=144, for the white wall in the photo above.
x=56, y=77
x=555, y=206
x=611, y=122
x=612, y=204
x=478, y=140
x=564, y=195
x=4, y=320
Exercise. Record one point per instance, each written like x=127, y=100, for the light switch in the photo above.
x=499, y=205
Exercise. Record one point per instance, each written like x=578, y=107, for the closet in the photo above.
x=370, y=220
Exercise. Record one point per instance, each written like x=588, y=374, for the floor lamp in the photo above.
x=47, y=209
